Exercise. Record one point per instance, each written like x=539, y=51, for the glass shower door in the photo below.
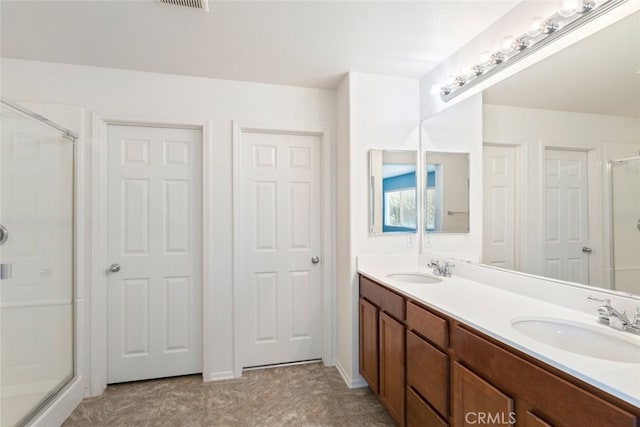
x=36, y=289
x=625, y=217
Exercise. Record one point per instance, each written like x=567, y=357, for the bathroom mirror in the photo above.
x=392, y=191
x=446, y=192
x=561, y=158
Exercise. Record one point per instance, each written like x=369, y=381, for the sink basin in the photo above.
x=414, y=278
x=580, y=338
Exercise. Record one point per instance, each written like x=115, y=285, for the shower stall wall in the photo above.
x=625, y=224
x=37, y=259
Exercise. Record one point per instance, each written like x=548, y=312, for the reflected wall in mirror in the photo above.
x=392, y=191
x=551, y=133
x=446, y=193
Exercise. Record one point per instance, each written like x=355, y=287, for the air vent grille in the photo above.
x=192, y=4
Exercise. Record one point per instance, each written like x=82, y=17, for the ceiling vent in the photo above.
x=191, y=4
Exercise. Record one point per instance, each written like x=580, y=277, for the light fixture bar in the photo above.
x=538, y=36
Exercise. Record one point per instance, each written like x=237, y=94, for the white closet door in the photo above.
x=279, y=235
x=566, y=216
x=154, y=300
x=499, y=206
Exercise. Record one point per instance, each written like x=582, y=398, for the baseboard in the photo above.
x=357, y=382
x=218, y=376
x=60, y=409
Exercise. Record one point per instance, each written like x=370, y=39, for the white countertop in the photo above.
x=490, y=310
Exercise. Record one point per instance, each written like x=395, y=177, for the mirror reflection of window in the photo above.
x=432, y=210
x=393, y=191
x=399, y=198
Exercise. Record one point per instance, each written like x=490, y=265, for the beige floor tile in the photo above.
x=302, y=396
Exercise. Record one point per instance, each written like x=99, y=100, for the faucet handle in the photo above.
x=636, y=318
x=604, y=311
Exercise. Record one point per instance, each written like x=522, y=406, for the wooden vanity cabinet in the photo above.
x=382, y=345
x=537, y=396
x=430, y=370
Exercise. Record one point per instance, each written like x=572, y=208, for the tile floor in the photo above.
x=301, y=395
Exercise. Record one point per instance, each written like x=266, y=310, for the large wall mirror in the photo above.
x=392, y=191
x=561, y=164
x=446, y=192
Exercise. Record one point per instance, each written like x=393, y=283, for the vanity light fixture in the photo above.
x=572, y=14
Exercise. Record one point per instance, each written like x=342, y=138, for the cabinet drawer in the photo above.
x=558, y=401
x=419, y=414
x=388, y=301
x=427, y=324
x=428, y=372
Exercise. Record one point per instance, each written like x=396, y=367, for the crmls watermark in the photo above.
x=490, y=418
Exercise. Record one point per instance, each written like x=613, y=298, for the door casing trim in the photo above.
x=99, y=233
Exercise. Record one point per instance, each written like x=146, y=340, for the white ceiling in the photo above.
x=599, y=75
x=300, y=43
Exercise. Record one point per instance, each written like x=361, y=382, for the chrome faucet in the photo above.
x=607, y=315
x=443, y=270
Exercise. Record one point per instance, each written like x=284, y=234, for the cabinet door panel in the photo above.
x=561, y=403
x=428, y=372
x=475, y=401
x=369, y=344
x=419, y=414
x=531, y=420
x=392, y=366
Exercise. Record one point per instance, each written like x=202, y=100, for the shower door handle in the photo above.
x=5, y=271
x=4, y=234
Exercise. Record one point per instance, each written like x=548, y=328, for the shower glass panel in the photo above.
x=36, y=289
x=625, y=226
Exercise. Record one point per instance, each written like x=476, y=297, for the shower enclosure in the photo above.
x=37, y=262
x=625, y=224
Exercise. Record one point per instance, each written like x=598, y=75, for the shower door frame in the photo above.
x=99, y=203
x=47, y=410
x=612, y=258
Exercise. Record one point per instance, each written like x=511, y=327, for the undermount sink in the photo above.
x=580, y=338
x=414, y=278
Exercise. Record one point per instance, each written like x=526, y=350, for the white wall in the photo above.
x=459, y=129
x=373, y=112
x=173, y=99
x=604, y=137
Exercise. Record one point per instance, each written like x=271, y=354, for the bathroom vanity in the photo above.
x=447, y=353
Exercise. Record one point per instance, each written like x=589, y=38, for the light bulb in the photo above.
x=506, y=45
x=535, y=27
x=449, y=81
x=435, y=90
x=520, y=44
x=498, y=58
x=569, y=8
x=485, y=57
x=476, y=70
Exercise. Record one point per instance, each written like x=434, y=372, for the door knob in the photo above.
x=114, y=268
x=587, y=250
x=315, y=260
